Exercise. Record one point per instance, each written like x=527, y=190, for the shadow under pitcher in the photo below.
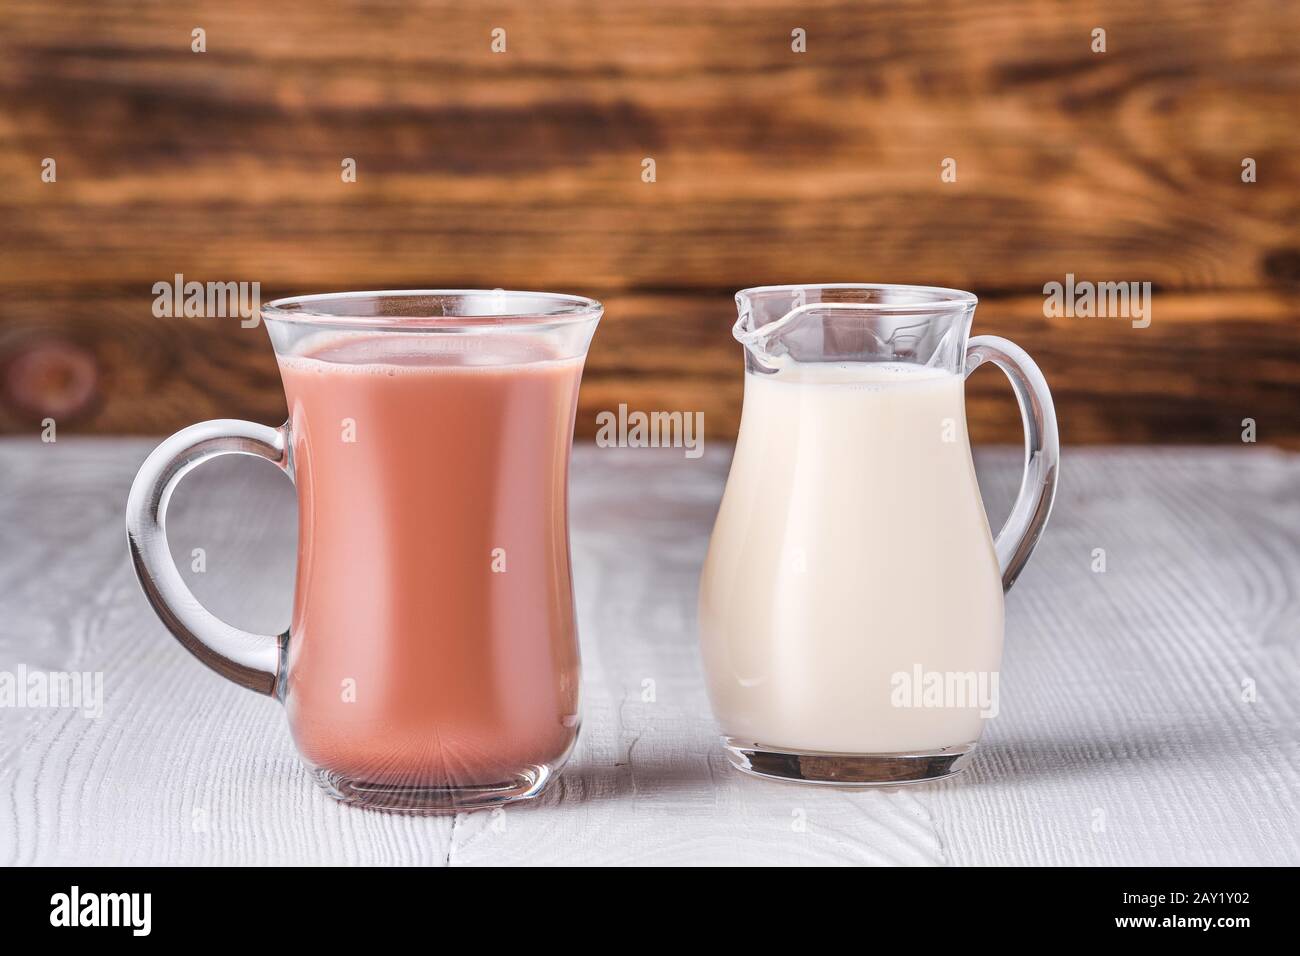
x=851, y=604
x=432, y=658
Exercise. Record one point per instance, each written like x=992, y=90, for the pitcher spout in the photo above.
x=762, y=342
x=760, y=330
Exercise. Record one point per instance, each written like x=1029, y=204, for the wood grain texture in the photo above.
x=523, y=169
x=1123, y=738
x=1184, y=376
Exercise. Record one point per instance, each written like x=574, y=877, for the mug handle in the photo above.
x=1019, y=535
x=255, y=661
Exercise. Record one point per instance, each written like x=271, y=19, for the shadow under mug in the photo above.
x=432, y=658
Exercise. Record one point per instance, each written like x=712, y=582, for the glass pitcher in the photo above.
x=851, y=603
x=432, y=659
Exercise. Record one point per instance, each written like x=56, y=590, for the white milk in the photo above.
x=851, y=555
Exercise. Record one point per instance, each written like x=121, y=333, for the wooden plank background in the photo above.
x=523, y=169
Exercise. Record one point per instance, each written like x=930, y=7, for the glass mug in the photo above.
x=432, y=659
x=851, y=604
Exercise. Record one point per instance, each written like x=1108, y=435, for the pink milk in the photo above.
x=433, y=641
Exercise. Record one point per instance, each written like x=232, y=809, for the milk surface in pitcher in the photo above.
x=851, y=553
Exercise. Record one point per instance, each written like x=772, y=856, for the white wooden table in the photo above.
x=1125, y=735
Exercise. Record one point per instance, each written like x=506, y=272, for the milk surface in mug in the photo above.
x=852, y=556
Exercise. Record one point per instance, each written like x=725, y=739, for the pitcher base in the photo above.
x=428, y=800
x=847, y=770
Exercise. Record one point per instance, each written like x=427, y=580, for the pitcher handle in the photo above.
x=250, y=660
x=1019, y=535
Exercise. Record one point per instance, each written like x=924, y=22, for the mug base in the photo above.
x=527, y=783
x=847, y=770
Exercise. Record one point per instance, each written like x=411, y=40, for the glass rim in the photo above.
x=931, y=298
x=558, y=308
